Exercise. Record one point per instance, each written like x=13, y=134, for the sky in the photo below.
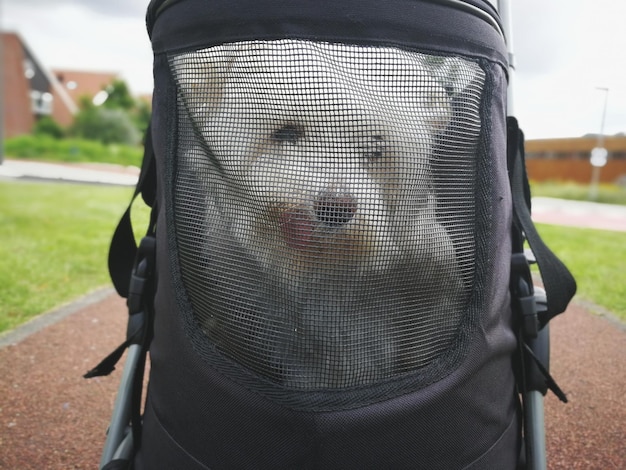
x=567, y=53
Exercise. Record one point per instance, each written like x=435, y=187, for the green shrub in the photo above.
x=48, y=126
x=46, y=148
x=107, y=125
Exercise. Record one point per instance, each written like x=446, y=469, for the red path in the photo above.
x=51, y=418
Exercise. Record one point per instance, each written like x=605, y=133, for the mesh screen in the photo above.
x=323, y=202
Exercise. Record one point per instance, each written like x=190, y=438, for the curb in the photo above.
x=12, y=169
x=20, y=333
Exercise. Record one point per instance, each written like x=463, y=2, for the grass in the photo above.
x=597, y=259
x=607, y=193
x=54, y=244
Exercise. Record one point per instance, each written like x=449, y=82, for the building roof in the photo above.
x=79, y=83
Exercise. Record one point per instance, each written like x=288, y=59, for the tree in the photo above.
x=120, y=118
x=106, y=125
x=119, y=96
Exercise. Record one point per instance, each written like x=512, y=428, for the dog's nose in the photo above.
x=334, y=209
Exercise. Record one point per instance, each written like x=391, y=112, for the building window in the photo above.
x=621, y=155
x=41, y=102
x=29, y=69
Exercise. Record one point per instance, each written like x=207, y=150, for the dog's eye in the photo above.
x=377, y=147
x=290, y=133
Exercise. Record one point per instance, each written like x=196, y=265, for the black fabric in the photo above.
x=199, y=416
x=405, y=23
x=559, y=283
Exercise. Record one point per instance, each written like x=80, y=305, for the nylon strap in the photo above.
x=558, y=282
x=123, y=248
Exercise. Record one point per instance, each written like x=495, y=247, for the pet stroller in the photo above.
x=334, y=275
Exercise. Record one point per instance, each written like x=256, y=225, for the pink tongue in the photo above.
x=297, y=228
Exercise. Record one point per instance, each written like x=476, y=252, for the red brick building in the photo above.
x=568, y=159
x=30, y=91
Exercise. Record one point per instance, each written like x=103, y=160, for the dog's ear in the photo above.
x=454, y=74
x=454, y=78
x=201, y=77
x=437, y=106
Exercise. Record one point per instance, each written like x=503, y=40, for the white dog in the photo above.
x=314, y=165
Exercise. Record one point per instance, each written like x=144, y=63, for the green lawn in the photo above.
x=53, y=244
x=606, y=193
x=597, y=259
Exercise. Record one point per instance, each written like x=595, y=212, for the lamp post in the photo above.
x=599, y=154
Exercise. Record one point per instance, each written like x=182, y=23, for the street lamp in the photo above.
x=599, y=154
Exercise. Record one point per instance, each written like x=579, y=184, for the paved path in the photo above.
x=546, y=210
x=588, y=361
x=74, y=172
x=579, y=214
x=51, y=418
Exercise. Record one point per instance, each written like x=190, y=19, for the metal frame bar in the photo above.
x=534, y=428
x=119, y=427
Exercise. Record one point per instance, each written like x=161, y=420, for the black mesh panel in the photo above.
x=324, y=206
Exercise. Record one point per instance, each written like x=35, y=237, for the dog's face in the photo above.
x=325, y=163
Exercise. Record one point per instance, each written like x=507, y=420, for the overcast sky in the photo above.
x=564, y=50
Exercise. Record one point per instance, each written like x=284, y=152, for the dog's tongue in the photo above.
x=297, y=228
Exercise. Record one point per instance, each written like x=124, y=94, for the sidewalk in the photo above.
x=579, y=214
x=66, y=172
x=544, y=210
x=51, y=418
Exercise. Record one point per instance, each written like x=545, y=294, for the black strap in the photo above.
x=532, y=371
x=558, y=282
x=107, y=365
x=123, y=248
x=118, y=464
x=549, y=381
x=132, y=271
x=125, y=259
x=140, y=308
